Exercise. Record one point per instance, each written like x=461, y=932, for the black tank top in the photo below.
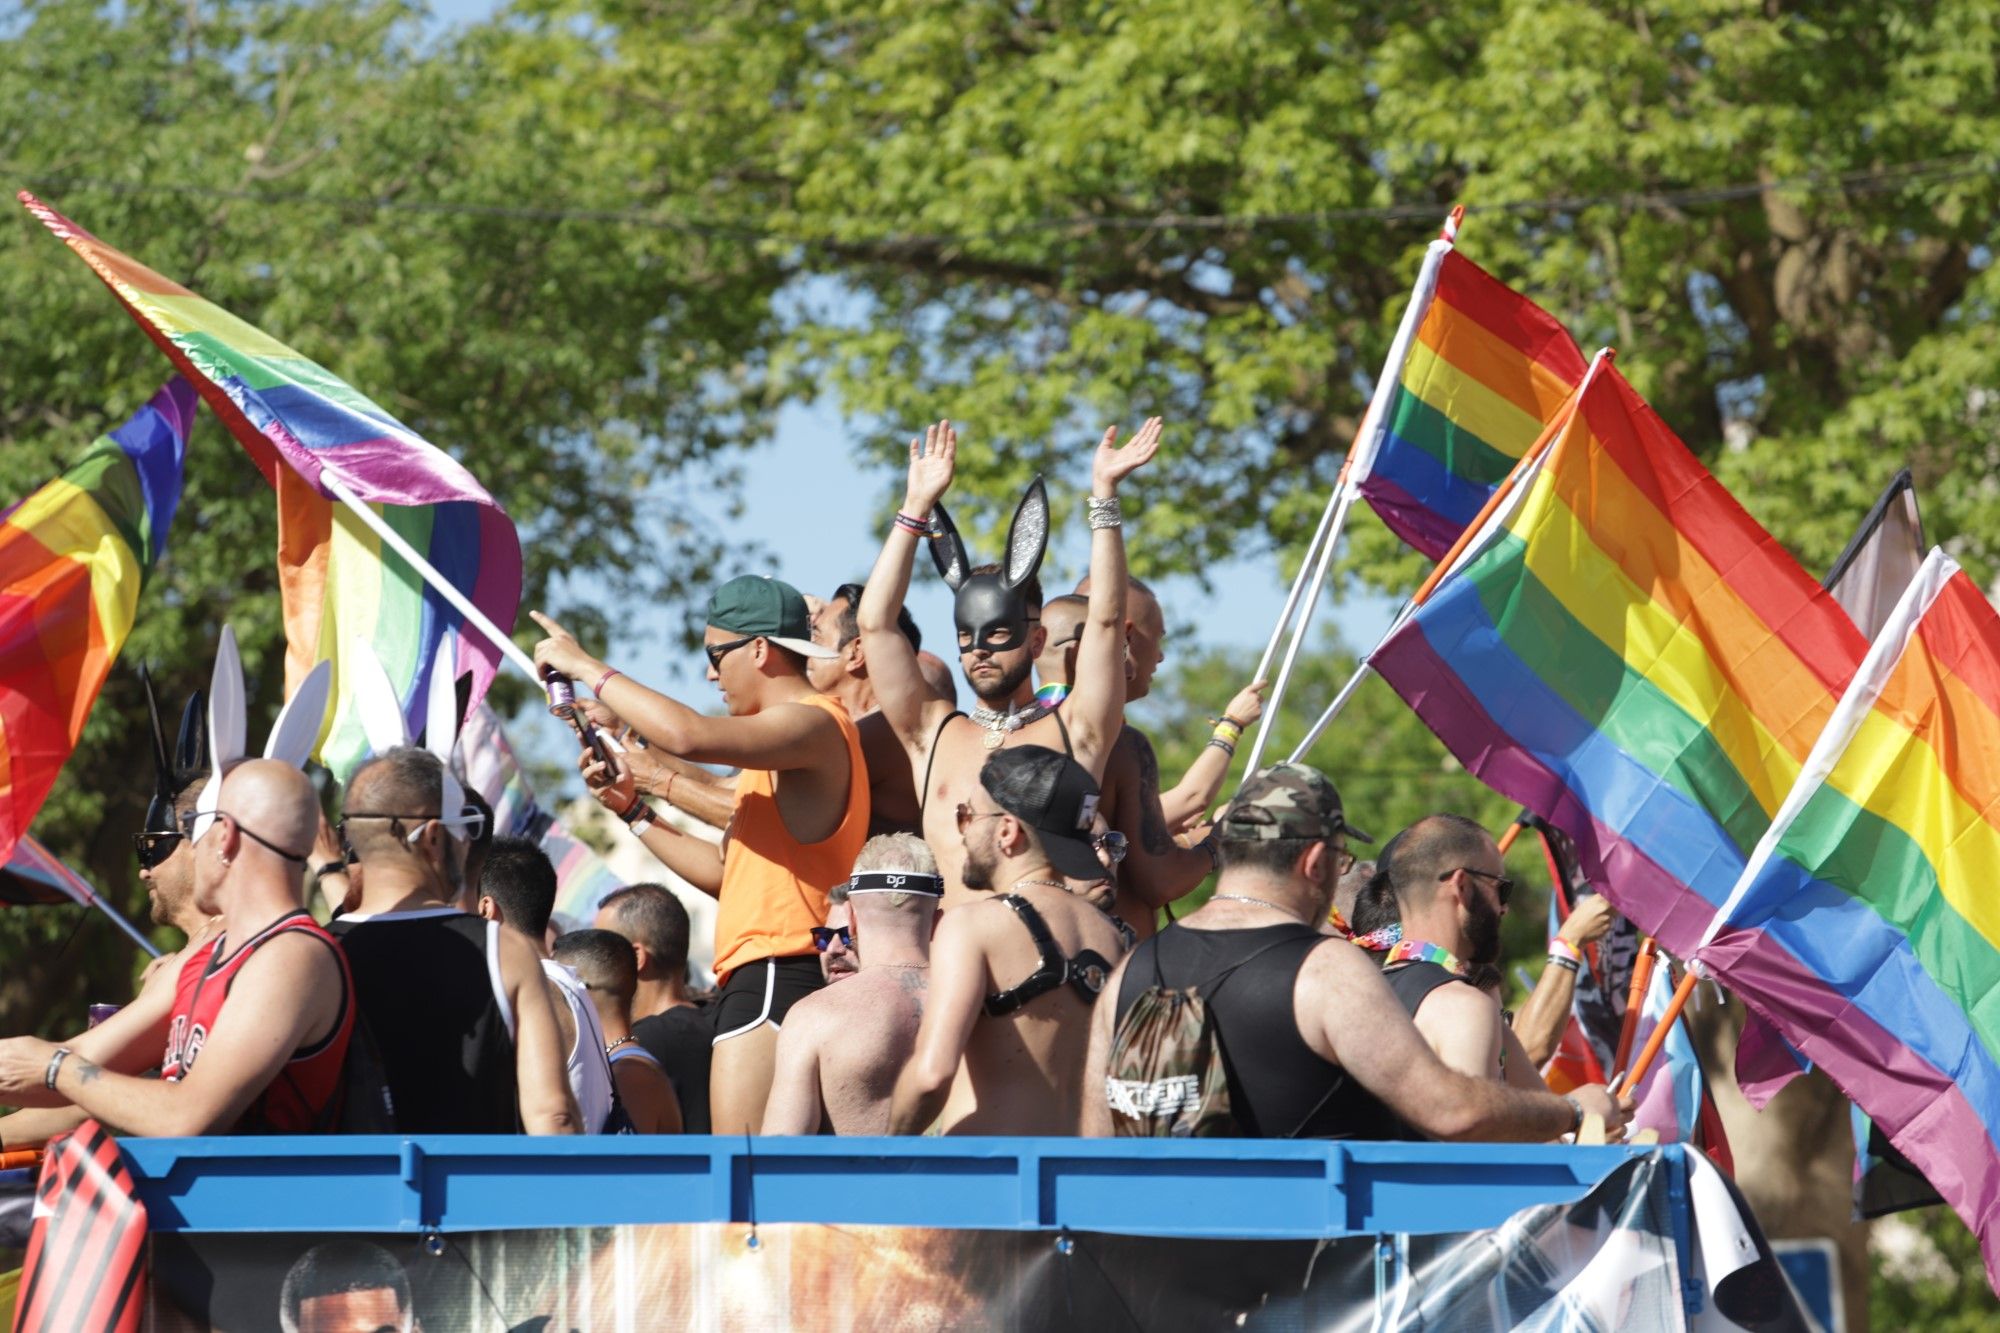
x=431, y=993
x=1278, y=1087
x=1412, y=982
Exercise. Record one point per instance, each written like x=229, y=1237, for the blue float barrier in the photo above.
x=1222, y=1189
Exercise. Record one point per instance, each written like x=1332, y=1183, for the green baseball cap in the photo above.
x=767, y=608
x=1286, y=801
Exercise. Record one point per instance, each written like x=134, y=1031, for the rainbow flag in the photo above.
x=1628, y=654
x=1460, y=400
x=308, y=432
x=1865, y=926
x=73, y=558
x=494, y=771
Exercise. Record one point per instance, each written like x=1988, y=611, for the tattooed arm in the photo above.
x=1156, y=870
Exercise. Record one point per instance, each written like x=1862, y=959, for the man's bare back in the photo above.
x=1022, y=1072
x=857, y=1036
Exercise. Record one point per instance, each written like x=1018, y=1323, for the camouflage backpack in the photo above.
x=1166, y=1078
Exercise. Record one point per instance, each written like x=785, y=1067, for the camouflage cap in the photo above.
x=1286, y=801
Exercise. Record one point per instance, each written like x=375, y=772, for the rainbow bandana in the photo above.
x=1423, y=951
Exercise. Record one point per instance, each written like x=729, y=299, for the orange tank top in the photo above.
x=774, y=888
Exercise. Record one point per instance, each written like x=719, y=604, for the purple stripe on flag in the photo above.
x=1925, y=1114
x=1407, y=517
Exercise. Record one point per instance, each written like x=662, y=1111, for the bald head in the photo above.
x=1419, y=858
x=1145, y=636
x=277, y=803
x=405, y=782
x=938, y=676
x=1062, y=619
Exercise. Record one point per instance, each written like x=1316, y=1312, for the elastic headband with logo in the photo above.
x=895, y=881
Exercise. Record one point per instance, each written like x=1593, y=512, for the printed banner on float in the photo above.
x=1613, y=1259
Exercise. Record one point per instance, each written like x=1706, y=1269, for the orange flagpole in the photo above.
x=1658, y=1038
x=1507, y=838
x=19, y=1157
x=1642, y=977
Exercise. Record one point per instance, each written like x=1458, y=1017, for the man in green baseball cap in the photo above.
x=798, y=818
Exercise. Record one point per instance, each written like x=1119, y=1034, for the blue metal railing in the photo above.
x=1234, y=1189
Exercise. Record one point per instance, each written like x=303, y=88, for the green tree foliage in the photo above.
x=1941, y=1288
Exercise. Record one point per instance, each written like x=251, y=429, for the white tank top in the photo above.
x=589, y=1071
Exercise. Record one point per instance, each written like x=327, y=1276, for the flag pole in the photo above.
x=1658, y=1037
x=1361, y=451
x=460, y=602
x=1635, y=1002
x=1474, y=530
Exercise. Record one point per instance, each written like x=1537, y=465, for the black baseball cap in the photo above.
x=1053, y=795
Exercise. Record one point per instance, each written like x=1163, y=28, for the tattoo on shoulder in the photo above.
x=1154, y=835
x=914, y=981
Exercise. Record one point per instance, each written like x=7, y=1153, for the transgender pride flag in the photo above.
x=314, y=436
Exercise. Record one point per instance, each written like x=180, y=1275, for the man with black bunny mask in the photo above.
x=997, y=610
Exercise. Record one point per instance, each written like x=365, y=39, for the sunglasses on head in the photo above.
x=823, y=937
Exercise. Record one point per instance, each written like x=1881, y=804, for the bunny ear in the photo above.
x=1028, y=535
x=948, y=549
x=464, y=693
x=163, y=766
x=227, y=721
x=191, y=754
x=295, y=734
x=225, y=728
x=371, y=695
x=441, y=734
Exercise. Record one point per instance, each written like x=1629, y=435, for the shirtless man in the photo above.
x=257, y=1033
x=839, y=1056
x=800, y=815
x=892, y=794
x=998, y=640
x=608, y=967
x=457, y=1007
x=1013, y=978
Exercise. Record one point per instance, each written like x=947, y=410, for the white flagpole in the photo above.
x=473, y=615
x=1854, y=706
x=1360, y=458
x=1499, y=508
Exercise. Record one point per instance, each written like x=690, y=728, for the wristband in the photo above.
x=916, y=527
x=55, y=1063
x=1214, y=850
x=638, y=816
x=1576, y=1113
x=605, y=679
x=1103, y=513
x=329, y=868
x=1217, y=743
x=1226, y=730
x=1560, y=947
x=1566, y=964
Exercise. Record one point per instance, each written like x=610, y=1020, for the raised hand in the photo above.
x=1115, y=462
x=1590, y=921
x=562, y=652
x=931, y=462
x=1248, y=705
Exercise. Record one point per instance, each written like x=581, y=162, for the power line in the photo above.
x=853, y=231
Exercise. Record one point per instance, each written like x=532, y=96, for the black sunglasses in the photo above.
x=153, y=848
x=1112, y=844
x=1502, y=886
x=717, y=651
x=187, y=821
x=823, y=937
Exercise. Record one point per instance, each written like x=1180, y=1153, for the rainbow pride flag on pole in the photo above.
x=1866, y=926
x=1461, y=401
x=73, y=558
x=329, y=451
x=1624, y=651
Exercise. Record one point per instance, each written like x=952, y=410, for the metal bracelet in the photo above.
x=1103, y=513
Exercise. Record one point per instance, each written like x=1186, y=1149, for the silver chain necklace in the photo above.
x=999, y=724
x=1260, y=902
